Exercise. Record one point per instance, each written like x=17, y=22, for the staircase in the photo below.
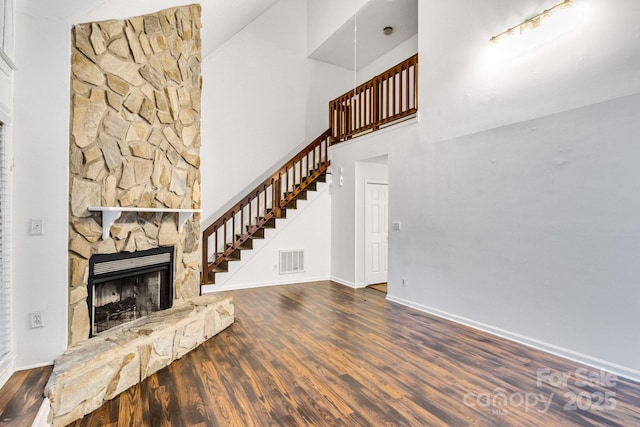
x=386, y=99
x=225, y=239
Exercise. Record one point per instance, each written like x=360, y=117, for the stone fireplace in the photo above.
x=135, y=144
x=134, y=199
x=128, y=285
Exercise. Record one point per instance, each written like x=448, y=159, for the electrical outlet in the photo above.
x=37, y=321
x=37, y=226
x=396, y=226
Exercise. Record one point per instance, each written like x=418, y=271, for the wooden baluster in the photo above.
x=224, y=237
x=407, y=93
x=275, y=202
x=362, y=104
x=313, y=160
x=305, y=159
x=388, y=100
x=242, y=231
x=215, y=244
x=376, y=103
x=337, y=130
x=233, y=229
x=264, y=196
x=205, y=260
x=356, y=111
x=372, y=109
x=347, y=131
x=394, y=90
x=326, y=151
x=331, y=122
x=415, y=84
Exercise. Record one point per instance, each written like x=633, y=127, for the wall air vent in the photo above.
x=292, y=261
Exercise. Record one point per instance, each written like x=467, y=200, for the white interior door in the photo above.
x=376, y=233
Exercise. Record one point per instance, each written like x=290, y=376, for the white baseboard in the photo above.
x=343, y=282
x=37, y=365
x=208, y=289
x=584, y=359
x=7, y=367
x=43, y=414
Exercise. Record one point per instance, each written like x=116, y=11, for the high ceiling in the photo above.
x=370, y=41
x=224, y=18
x=221, y=19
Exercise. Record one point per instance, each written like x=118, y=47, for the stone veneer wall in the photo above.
x=135, y=141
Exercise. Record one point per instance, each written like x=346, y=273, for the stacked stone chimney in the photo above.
x=135, y=142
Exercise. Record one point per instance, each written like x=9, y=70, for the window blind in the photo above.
x=5, y=288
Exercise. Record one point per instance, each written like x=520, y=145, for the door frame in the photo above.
x=366, y=171
x=363, y=228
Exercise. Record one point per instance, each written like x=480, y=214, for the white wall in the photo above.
x=527, y=226
x=466, y=86
x=401, y=52
x=529, y=231
x=261, y=97
x=40, y=188
x=347, y=214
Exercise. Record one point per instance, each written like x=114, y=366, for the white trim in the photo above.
x=43, y=414
x=210, y=289
x=7, y=60
x=565, y=353
x=7, y=367
x=379, y=132
x=348, y=283
x=35, y=366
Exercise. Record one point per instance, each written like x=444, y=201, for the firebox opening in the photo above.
x=126, y=286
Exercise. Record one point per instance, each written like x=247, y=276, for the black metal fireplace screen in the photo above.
x=128, y=285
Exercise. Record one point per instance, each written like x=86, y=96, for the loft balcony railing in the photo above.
x=387, y=98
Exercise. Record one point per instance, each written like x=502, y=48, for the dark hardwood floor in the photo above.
x=21, y=396
x=323, y=354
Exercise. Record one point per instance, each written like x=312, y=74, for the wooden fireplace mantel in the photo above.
x=111, y=213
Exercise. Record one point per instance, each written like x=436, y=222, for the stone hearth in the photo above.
x=96, y=370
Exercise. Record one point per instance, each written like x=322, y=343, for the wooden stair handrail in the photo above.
x=284, y=185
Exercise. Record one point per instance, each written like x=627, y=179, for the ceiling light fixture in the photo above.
x=387, y=31
x=531, y=23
